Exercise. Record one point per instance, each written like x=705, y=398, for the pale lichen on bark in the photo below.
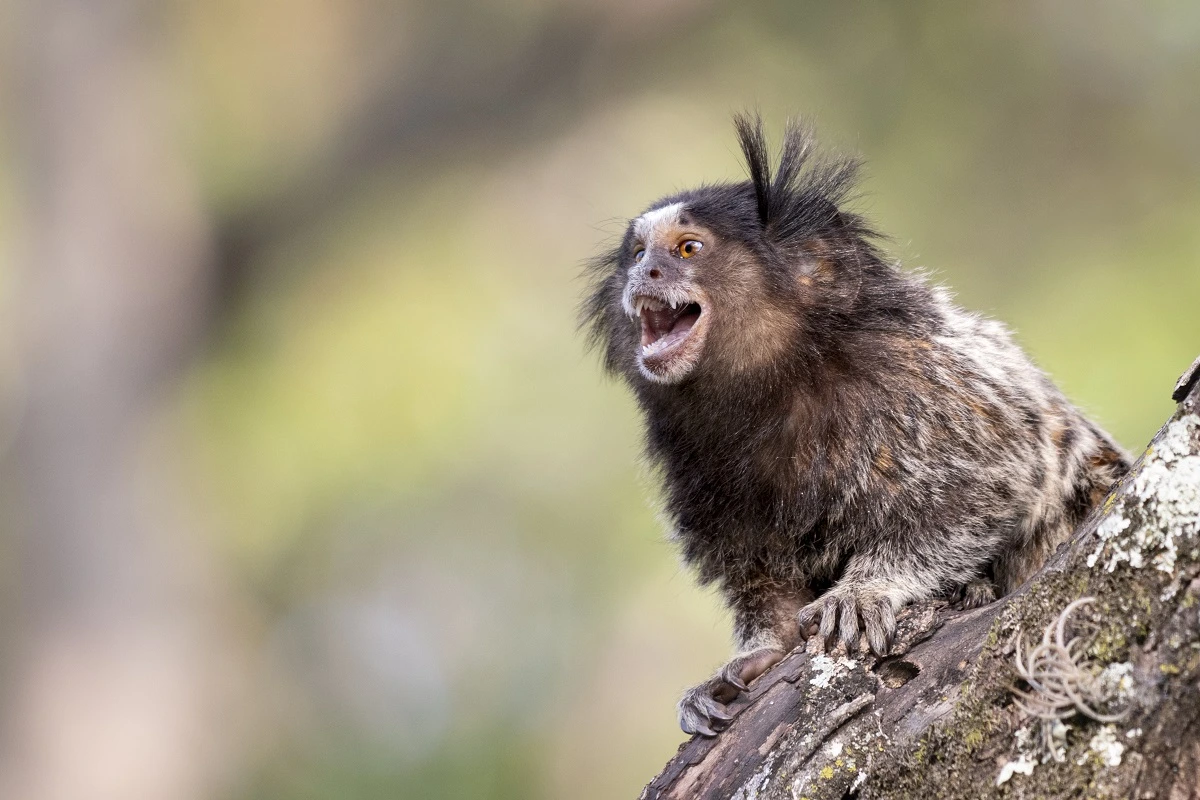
x=1161, y=512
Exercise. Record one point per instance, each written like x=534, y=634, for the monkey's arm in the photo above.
x=765, y=625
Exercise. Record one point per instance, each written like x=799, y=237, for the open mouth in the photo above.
x=667, y=330
x=664, y=327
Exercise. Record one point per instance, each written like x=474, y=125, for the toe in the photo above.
x=694, y=724
x=700, y=712
x=877, y=635
x=808, y=618
x=715, y=711
x=848, y=627
x=689, y=720
x=692, y=719
x=886, y=622
x=720, y=715
x=731, y=674
x=828, y=620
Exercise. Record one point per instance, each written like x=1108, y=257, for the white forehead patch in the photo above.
x=649, y=225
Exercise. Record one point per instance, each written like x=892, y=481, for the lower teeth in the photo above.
x=654, y=347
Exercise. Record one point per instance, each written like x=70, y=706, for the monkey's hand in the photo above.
x=702, y=708
x=847, y=609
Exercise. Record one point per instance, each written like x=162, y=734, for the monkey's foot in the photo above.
x=839, y=613
x=975, y=594
x=702, y=708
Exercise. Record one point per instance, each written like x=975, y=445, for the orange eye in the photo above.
x=690, y=248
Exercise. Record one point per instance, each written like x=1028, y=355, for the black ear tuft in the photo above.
x=797, y=143
x=805, y=195
x=758, y=160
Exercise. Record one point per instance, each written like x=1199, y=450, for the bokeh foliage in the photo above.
x=427, y=495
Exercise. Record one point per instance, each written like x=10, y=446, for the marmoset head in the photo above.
x=731, y=277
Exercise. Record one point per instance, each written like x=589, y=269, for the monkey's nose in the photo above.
x=654, y=273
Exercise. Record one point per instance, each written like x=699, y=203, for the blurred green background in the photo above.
x=309, y=489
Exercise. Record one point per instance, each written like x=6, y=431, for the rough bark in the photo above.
x=937, y=719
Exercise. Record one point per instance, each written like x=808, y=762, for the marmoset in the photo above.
x=836, y=438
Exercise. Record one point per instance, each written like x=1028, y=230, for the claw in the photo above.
x=713, y=710
x=880, y=624
x=690, y=723
x=700, y=712
x=720, y=714
x=731, y=676
x=828, y=620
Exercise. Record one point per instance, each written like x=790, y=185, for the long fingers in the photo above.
x=843, y=616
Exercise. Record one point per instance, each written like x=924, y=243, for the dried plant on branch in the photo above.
x=1063, y=681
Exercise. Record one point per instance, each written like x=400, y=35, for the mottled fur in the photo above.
x=848, y=433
